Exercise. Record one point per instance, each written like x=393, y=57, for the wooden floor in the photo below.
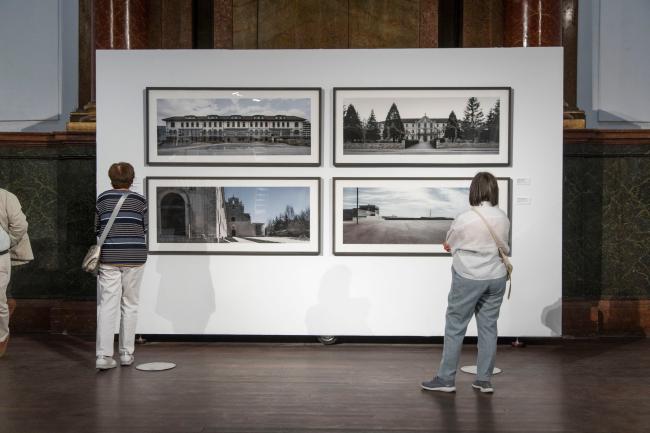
x=49, y=384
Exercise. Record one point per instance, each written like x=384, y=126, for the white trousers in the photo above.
x=118, y=287
x=5, y=275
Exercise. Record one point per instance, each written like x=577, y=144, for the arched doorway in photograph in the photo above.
x=172, y=215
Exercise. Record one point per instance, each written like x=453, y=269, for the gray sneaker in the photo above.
x=126, y=359
x=437, y=384
x=483, y=386
x=105, y=363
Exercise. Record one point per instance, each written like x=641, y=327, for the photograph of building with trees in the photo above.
x=400, y=215
x=420, y=125
x=233, y=214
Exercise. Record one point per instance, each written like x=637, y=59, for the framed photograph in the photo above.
x=400, y=216
x=236, y=215
x=233, y=126
x=422, y=126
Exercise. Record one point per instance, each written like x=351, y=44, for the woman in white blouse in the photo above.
x=478, y=284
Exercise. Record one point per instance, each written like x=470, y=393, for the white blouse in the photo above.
x=475, y=254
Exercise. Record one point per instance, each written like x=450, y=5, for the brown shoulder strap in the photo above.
x=499, y=242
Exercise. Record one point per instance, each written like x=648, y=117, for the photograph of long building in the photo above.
x=233, y=127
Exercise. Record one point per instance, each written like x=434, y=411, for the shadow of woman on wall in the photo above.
x=186, y=293
x=337, y=313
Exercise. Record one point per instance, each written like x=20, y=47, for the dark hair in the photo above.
x=121, y=174
x=484, y=187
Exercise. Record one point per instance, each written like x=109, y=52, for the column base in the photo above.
x=83, y=120
x=574, y=118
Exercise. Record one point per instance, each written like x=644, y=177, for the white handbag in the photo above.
x=90, y=262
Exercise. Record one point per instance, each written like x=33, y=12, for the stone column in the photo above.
x=120, y=24
x=107, y=24
x=548, y=23
x=533, y=23
x=573, y=116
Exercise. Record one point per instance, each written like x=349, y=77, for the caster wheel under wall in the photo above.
x=327, y=339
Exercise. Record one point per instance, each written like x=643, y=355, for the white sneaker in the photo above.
x=105, y=363
x=126, y=359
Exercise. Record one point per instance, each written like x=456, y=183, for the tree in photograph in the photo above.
x=372, y=129
x=352, y=130
x=452, y=130
x=473, y=120
x=492, y=122
x=393, y=127
x=289, y=224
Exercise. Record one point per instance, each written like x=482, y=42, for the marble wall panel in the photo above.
x=384, y=23
x=55, y=186
x=223, y=24
x=626, y=227
x=169, y=24
x=606, y=223
x=303, y=24
x=429, y=23
x=482, y=23
x=244, y=22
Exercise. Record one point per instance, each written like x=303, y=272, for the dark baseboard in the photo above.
x=342, y=339
x=580, y=319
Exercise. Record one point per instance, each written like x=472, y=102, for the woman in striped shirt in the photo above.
x=122, y=260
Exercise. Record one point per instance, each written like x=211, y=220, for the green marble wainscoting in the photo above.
x=53, y=176
x=606, y=232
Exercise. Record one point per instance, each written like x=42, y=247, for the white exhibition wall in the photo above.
x=343, y=295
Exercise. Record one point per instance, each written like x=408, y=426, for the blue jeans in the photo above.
x=468, y=297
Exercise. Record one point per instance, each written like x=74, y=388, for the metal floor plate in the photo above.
x=155, y=366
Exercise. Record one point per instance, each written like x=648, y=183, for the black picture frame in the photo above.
x=406, y=159
x=254, y=160
x=153, y=244
x=336, y=233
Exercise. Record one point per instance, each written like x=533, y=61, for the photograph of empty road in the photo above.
x=400, y=215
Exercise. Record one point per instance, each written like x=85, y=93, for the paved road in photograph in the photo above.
x=380, y=231
x=426, y=148
x=256, y=148
x=271, y=239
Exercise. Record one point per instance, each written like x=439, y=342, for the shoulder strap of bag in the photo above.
x=111, y=220
x=498, y=241
x=500, y=247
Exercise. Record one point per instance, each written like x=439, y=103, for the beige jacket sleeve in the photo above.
x=14, y=222
x=17, y=222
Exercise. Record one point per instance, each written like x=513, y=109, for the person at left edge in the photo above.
x=15, y=249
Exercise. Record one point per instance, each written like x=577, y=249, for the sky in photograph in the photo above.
x=265, y=203
x=227, y=106
x=416, y=107
x=410, y=202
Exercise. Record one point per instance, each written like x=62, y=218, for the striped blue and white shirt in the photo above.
x=125, y=244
